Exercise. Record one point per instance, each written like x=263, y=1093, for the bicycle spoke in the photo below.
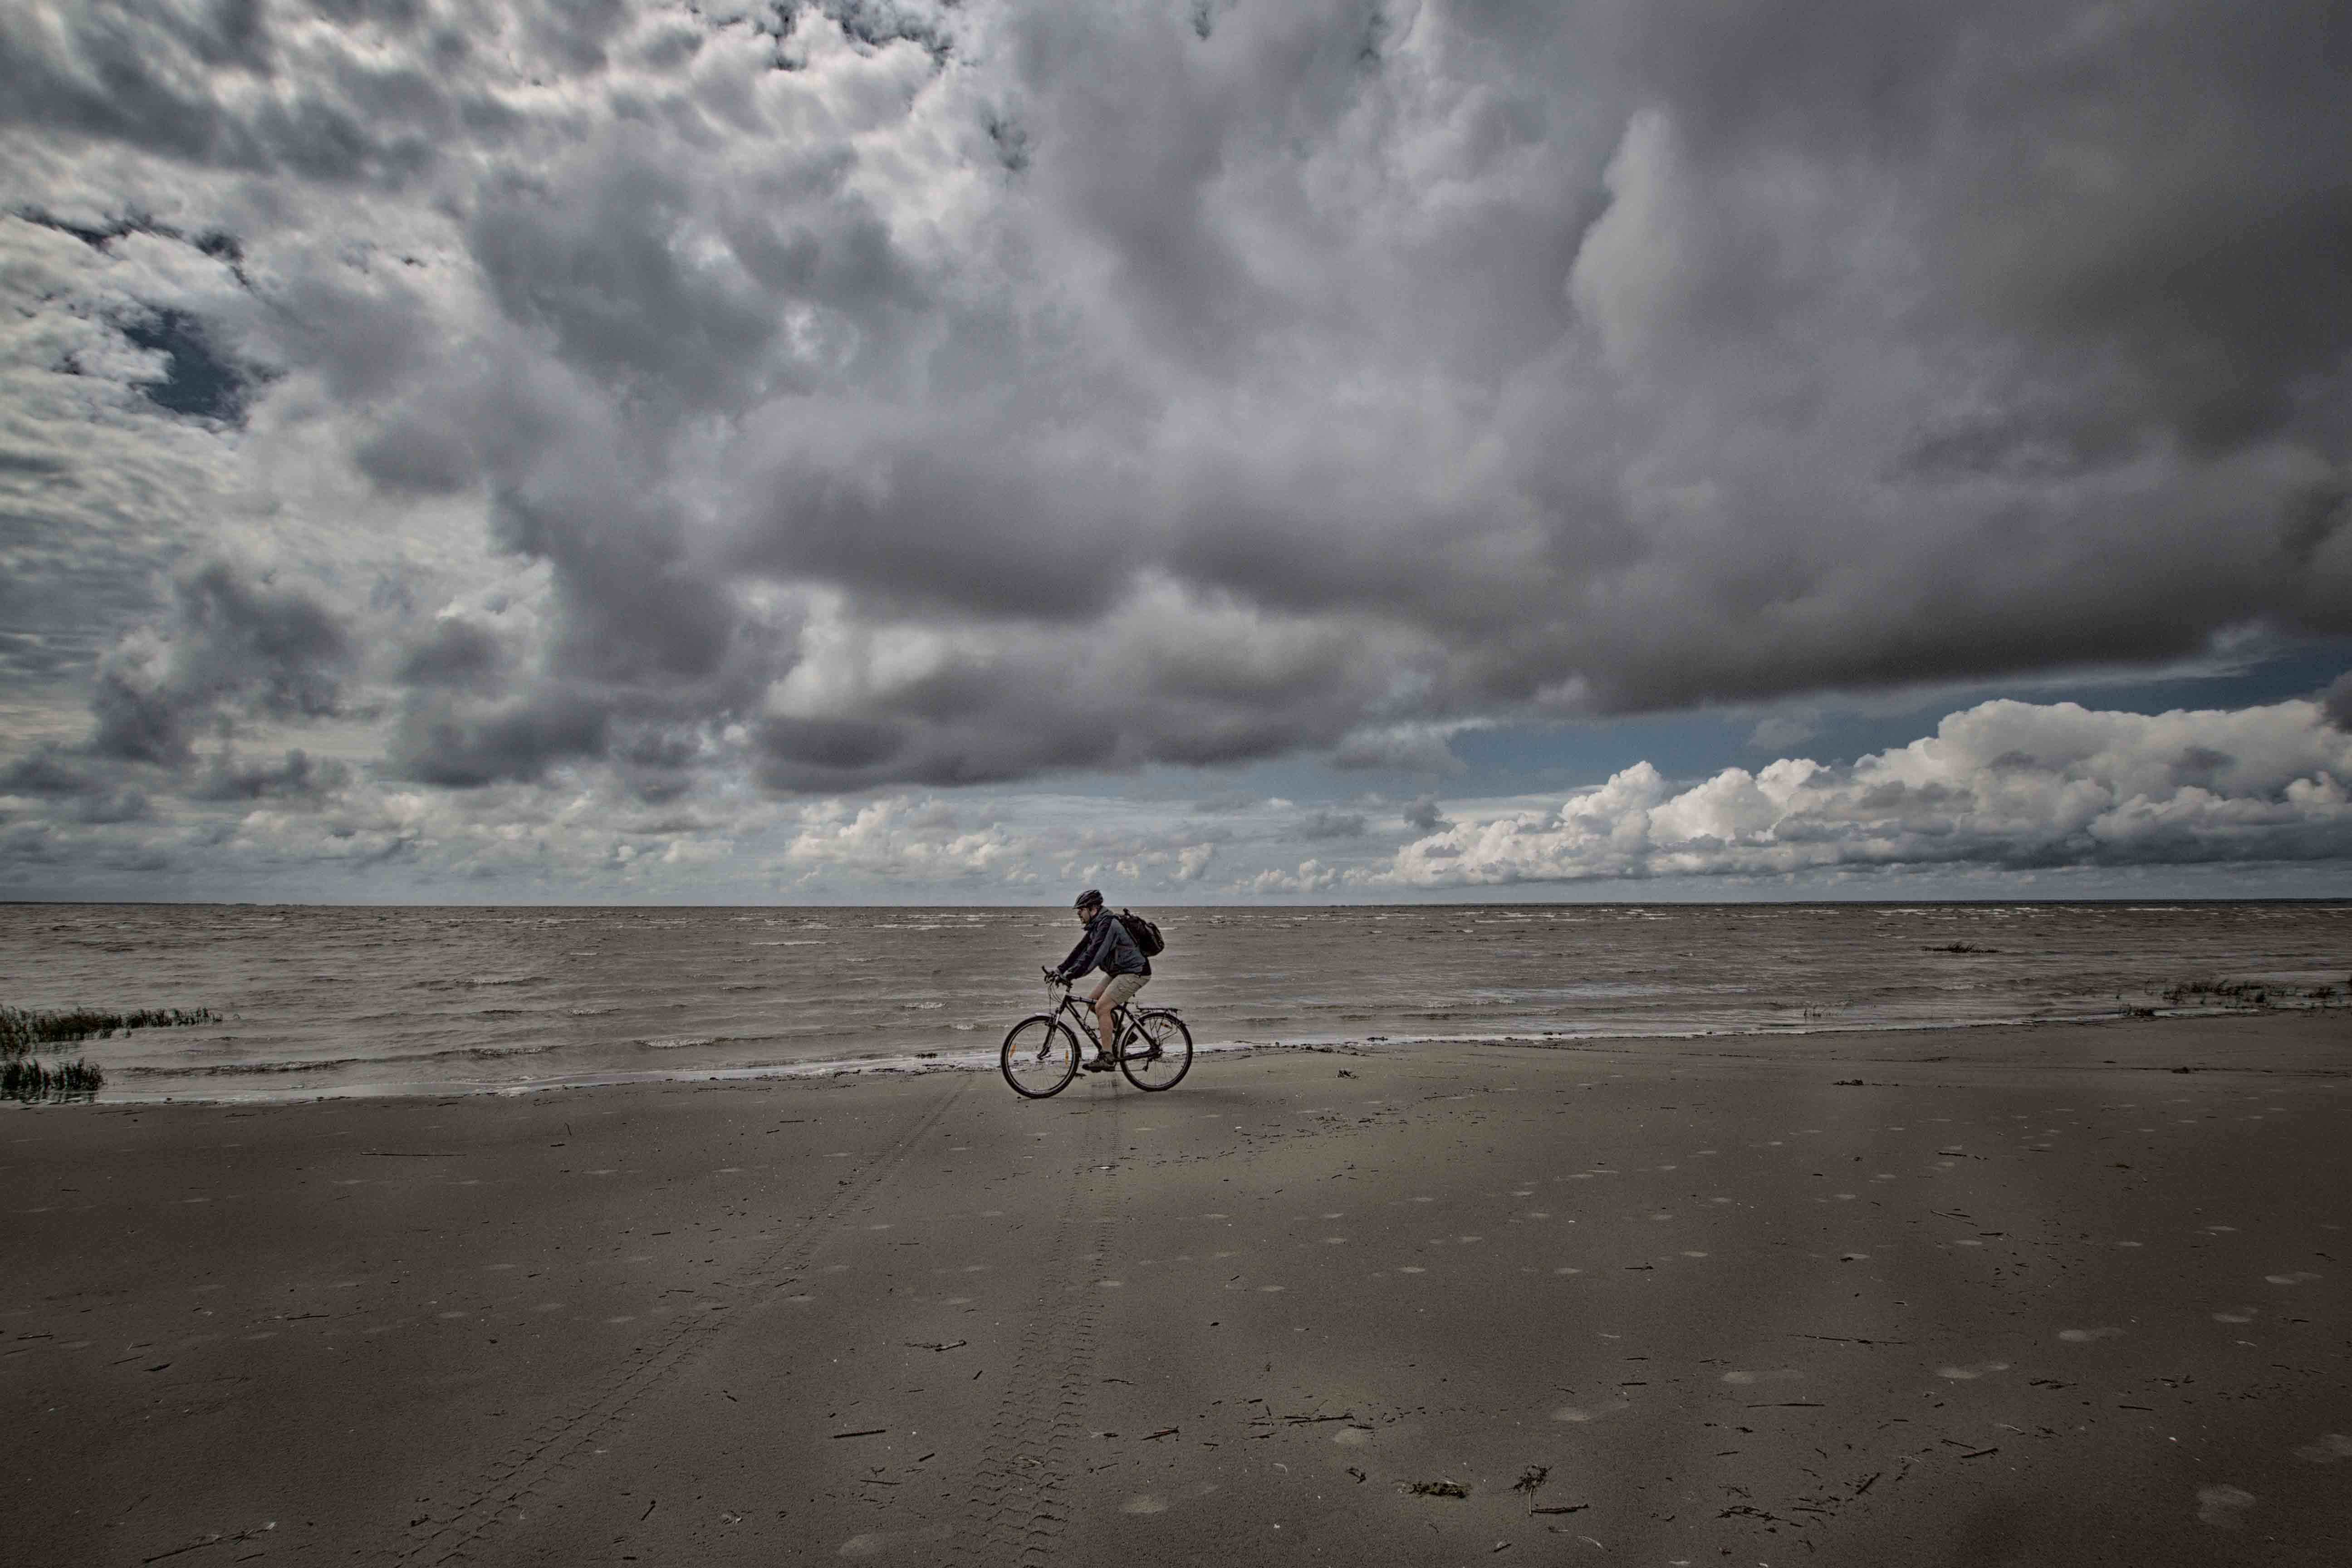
x=1157, y=1052
x=1039, y=1057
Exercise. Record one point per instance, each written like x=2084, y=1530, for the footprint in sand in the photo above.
x=2300, y=1277
x=2242, y=1315
x=2221, y=1506
x=2335, y=1446
x=1352, y=1436
x=2085, y=1336
x=1970, y=1373
x=1143, y=1504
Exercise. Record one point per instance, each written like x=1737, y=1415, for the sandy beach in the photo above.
x=1884, y=1299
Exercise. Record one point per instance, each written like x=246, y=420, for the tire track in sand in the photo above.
x=1019, y=1505
x=546, y=1455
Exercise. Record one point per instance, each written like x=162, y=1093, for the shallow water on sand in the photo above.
x=373, y=1001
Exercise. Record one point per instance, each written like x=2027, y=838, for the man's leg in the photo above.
x=1103, y=1038
x=1115, y=991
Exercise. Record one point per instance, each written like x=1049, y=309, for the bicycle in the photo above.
x=1040, y=1055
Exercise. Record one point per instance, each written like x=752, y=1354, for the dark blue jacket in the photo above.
x=1105, y=946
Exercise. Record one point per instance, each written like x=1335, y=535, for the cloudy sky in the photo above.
x=612, y=450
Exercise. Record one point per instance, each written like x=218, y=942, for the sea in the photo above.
x=310, y=1001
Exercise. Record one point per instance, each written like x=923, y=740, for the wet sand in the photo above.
x=1892, y=1299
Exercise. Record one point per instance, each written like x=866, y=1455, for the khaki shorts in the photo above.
x=1122, y=989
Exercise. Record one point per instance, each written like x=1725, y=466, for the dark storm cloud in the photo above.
x=296, y=777
x=1423, y=817
x=657, y=763
x=1162, y=682
x=1758, y=216
x=457, y=655
x=2337, y=702
x=115, y=805
x=47, y=774
x=440, y=739
x=228, y=641
x=74, y=791
x=1008, y=389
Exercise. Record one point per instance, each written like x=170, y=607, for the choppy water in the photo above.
x=373, y=1001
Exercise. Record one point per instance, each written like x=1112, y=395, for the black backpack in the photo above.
x=1143, y=933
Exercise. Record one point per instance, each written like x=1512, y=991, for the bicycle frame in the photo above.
x=1083, y=1012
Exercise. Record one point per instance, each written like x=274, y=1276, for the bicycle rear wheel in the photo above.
x=1040, y=1056
x=1158, y=1052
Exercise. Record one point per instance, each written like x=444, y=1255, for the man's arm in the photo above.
x=1088, y=954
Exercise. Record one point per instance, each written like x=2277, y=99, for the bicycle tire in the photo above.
x=1039, y=1057
x=1157, y=1052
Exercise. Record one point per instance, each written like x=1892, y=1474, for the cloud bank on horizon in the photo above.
x=643, y=446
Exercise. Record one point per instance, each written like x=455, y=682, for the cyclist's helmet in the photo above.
x=1091, y=896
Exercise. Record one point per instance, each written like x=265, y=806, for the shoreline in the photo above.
x=984, y=1060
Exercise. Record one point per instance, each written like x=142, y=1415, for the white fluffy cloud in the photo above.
x=1311, y=876
x=899, y=838
x=2009, y=784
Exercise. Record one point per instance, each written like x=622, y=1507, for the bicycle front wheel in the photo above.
x=1040, y=1058
x=1157, y=1053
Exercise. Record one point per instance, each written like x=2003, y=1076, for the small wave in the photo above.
x=675, y=1042
x=810, y=941
x=921, y=1006
x=478, y=982
x=332, y=1064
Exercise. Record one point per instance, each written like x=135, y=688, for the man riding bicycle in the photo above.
x=1108, y=947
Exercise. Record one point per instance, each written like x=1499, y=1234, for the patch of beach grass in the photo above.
x=33, y=1082
x=24, y=1030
